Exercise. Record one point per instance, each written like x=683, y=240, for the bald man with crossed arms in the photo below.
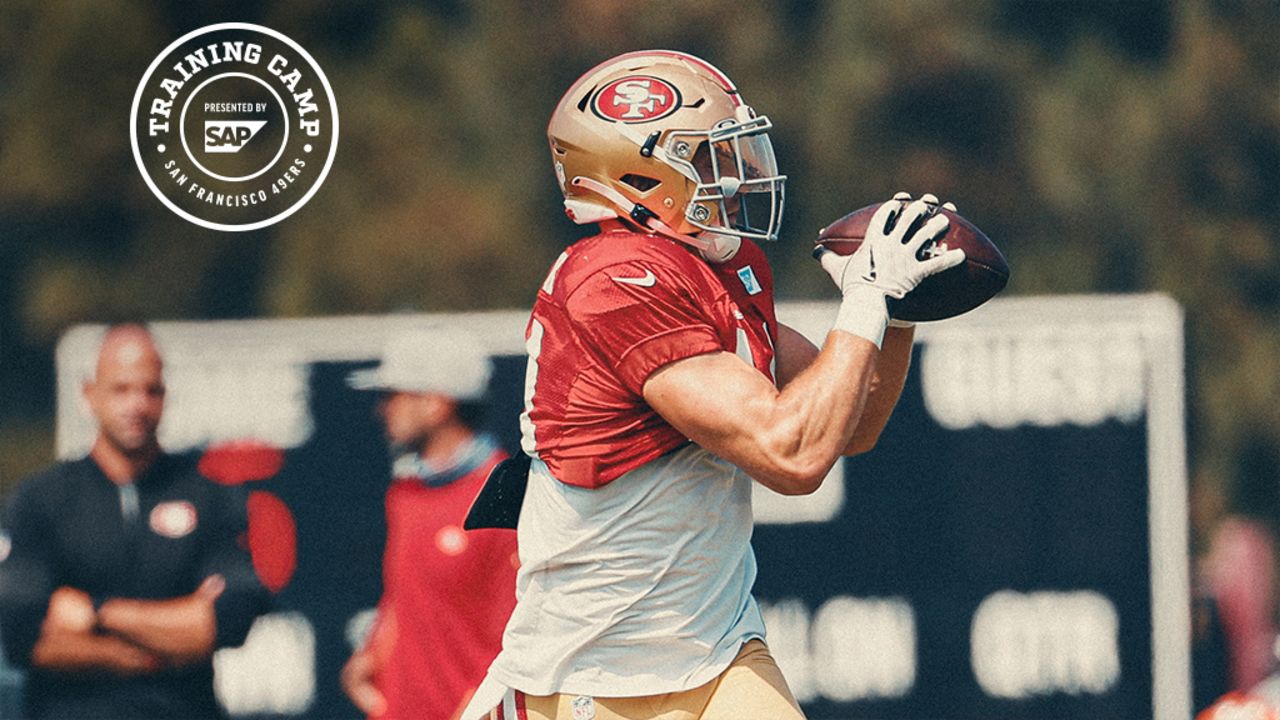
x=124, y=573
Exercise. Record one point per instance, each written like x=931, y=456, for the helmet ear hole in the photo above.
x=640, y=183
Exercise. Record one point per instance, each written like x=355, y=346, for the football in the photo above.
x=952, y=292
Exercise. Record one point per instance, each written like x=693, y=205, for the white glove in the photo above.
x=886, y=264
x=929, y=198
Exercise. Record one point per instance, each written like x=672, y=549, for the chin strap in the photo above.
x=713, y=246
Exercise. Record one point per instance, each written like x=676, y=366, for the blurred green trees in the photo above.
x=1125, y=146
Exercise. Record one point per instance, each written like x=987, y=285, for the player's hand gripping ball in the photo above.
x=954, y=291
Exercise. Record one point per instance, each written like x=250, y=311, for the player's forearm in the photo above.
x=816, y=415
x=787, y=440
x=886, y=387
x=182, y=630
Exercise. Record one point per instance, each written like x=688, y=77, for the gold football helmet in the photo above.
x=662, y=139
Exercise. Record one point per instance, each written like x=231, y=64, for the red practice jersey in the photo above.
x=616, y=307
x=447, y=594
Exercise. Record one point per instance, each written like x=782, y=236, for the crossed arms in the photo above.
x=127, y=636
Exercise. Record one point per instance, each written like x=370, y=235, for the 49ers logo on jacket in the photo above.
x=173, y=519
x=636, y=99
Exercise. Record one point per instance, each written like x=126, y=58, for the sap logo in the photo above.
x=229, y=136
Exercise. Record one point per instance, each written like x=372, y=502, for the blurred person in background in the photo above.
x=1239, y=572
x=124, y=570
x=447, y=594
x=659, y=386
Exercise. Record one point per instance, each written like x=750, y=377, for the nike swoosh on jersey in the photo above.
x=646, y=280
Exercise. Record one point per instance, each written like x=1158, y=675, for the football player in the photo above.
x=660, y=386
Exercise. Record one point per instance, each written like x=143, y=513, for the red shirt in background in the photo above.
x=1240, y=573
x=447, y=594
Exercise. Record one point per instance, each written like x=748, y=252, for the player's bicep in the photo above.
x=793, y=353
x=718, y=402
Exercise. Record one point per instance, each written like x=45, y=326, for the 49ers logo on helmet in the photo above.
x=636, y=99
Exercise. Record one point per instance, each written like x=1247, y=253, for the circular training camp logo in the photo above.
x=636, y=99
x=234, y=126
